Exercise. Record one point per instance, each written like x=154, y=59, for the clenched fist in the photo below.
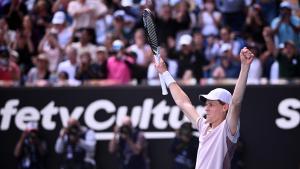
x=246, y=56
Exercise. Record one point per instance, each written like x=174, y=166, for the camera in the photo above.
x=31, y=138
x=185, y=130
x=73, y=133
x=126, y=130
x=285, y=15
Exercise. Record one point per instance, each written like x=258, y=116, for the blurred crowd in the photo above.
x=102, y=42
x=75, y=146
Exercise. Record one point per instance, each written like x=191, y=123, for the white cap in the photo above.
x=185, y=40
x=14, y=53
x=119, y=13
x=117, y=45
x=220, y=94
x=59, y=18
x=285, y=4
x=126, y=3
x=225, y=47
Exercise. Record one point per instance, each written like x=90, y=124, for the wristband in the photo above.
x=167, y=77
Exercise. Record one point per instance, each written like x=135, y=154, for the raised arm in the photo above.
x=233, y=115
x=179, y=96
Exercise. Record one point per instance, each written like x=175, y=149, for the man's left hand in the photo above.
x=246, y=56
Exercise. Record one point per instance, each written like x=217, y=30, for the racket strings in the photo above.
x=150, y=31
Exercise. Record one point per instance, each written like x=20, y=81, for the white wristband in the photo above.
x=167, y=77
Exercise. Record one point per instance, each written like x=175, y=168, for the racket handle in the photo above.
x=162, y=82
x=163, y=85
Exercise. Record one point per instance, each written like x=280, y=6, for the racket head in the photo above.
x=150, y=30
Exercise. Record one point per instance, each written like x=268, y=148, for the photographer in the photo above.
x=286, y=26
x=77, y=146
x=30, y=150
x=130, y=144
x=184, y=148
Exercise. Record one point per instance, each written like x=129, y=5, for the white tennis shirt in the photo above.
x=216, y=147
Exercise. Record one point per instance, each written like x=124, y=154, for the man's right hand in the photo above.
x=116, y=129
x=246, y=56
x=161, y=66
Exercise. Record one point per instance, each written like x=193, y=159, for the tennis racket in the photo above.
x=151, y=34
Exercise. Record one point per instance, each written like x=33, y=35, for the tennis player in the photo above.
x=219, y=132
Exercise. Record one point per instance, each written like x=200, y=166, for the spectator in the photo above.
x=69, y=65
x=210, y=19
x=41, y=17
x=14, y=11
x=86, y=70
x=255, y=71
x=101, y=63
x=286, y=26
x=50, y=47
x=9, y=70
x=254, y=24
x=62, y=80
x=32, y=33
x=228, y=53
x=165, y=20
x=118, y=68
x=142, y=50
x=200, y=59
x=182, y=16
x=226, y=67
x=76, y=144
x=288, y=61
x=31, y=149
x=100, y=68
x=40, y=74
x=184, y=55
x=228, y=37
x=269, y=9
x=211, y=53
x=232, y=13
x=131, y=145
x=85, y=13
x=85, y=44
x=64, y=32
x=119, y=28
x=102, y=25
x=24, y=46
x=8, y=34
x=142, y=53
x=184, y=148
x=268, y=55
